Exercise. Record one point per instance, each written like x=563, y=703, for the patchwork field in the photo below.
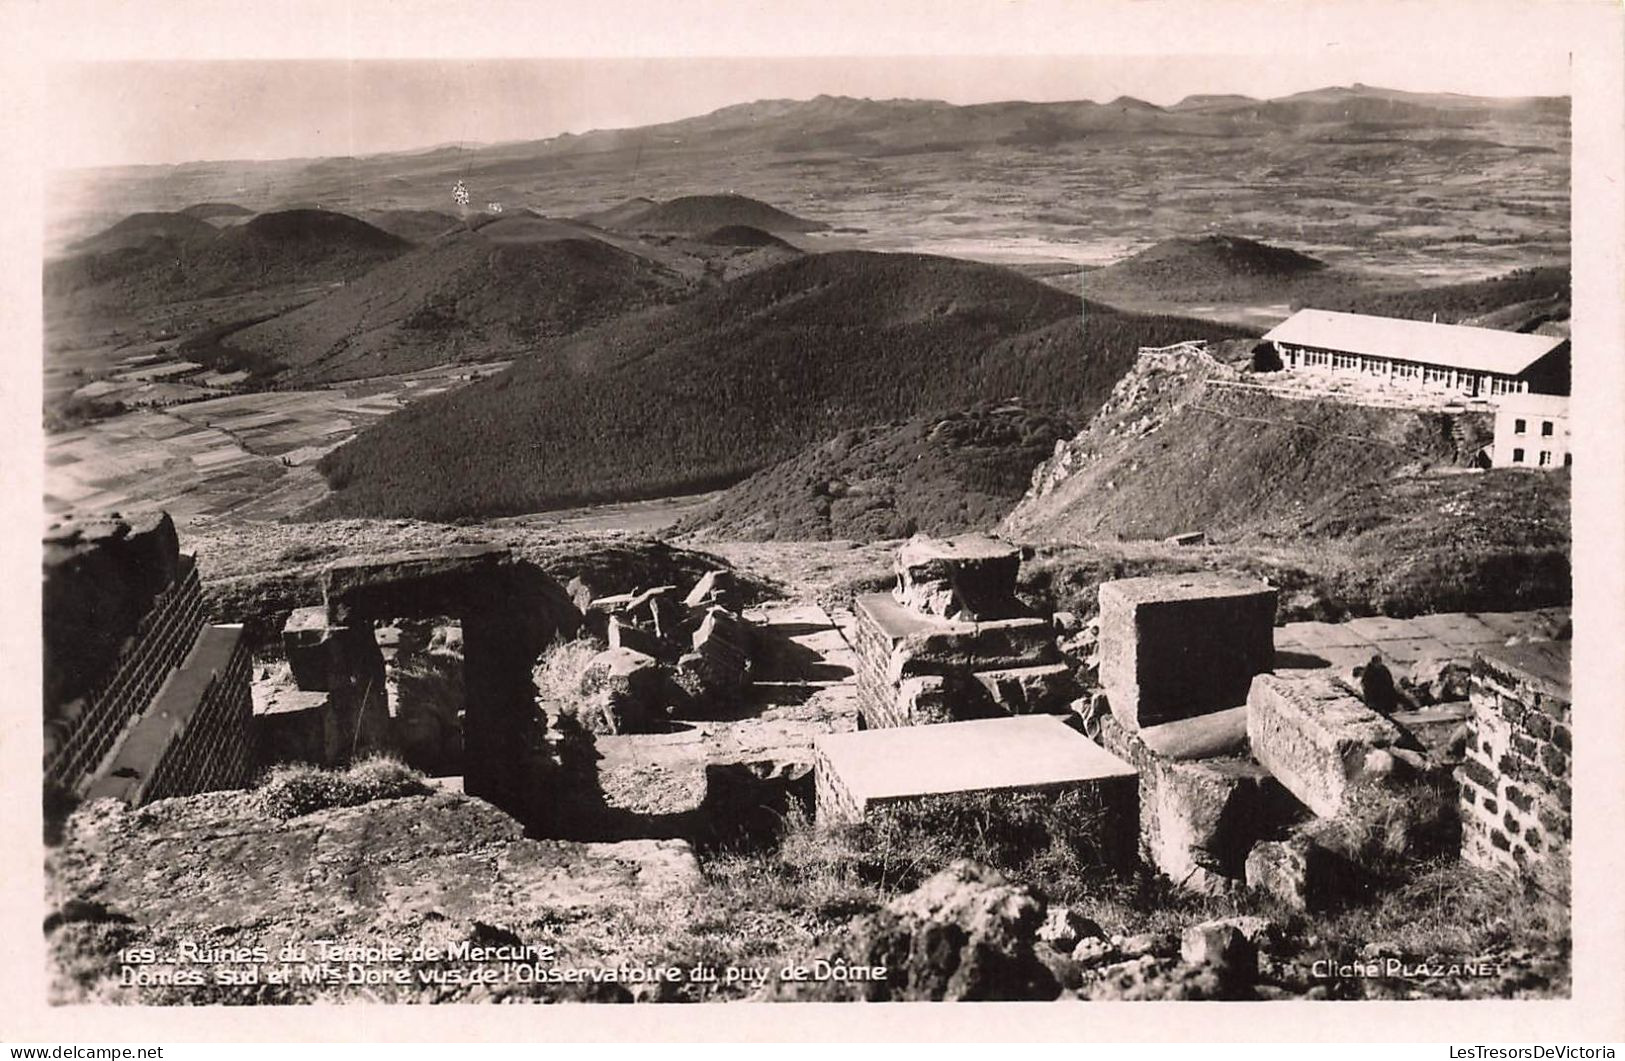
x=249, y=455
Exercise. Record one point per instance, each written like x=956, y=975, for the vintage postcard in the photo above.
x=1109, y=505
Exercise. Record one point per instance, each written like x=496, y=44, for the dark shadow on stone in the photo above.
x=1299, y=660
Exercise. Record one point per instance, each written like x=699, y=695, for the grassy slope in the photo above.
x=931, y=475
x=1350, y=510
x=737, y=378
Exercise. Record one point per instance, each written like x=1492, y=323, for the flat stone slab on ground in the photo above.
x=1457, y=628
x=857, y=771
x=1379, y=628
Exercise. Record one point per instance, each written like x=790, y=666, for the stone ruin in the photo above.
x=1245, y=776
x=509, y=611
x=144, y=698
x=667, y=658
x=952, y=641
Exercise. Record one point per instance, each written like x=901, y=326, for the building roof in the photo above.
x=1445, y=345
x=1534, y=404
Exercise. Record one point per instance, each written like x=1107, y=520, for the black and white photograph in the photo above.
x=758, y=522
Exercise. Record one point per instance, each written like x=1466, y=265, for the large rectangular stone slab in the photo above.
x=857, y=772
x=1314, y=735
x=1177, y=646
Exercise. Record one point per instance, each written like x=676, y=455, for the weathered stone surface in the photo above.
x=1198, y=819
x=971, y=577
x=715, y=588
x=1315, y=736
x=631, y=690
x=1224, y=948
x=997, y=645
x=1042, y=690
x=1176, y=646
x=1064, y=928
x=216, y=868
x=872, y=768
x=101, y=576
x=1298, y=872
x=966, y=934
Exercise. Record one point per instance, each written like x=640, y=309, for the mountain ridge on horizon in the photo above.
x=1206, y=103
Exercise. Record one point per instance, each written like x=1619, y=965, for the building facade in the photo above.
x=1532, y=431
x=1422, y=357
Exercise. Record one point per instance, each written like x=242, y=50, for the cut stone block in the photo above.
x=1316, y=737
x=858, y=772
x=998, y=645
x=326, y=656
x=714, y=587
x=1202, y=737
x=970, y=577
x=622, y=634
x=633, y=688
x=1177, y=646
x=1298, y=872
x=1198, y=819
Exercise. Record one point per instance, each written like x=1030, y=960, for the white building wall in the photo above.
x=1531, y=434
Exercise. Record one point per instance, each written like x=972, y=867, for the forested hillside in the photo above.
x=701, y=394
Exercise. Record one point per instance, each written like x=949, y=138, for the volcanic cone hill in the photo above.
x=217, y=212
x=270, y=250
x=140, y=229
x=743, y=375
x=1215, y=267
x=743, y=236
x=928, y=475
x=700, y=214
x=481, y=295
x=419, y=226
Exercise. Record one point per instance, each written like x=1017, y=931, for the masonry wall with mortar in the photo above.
x=1515, y=798
x=163, y=638
x=877, y=695
x=215, y=749
x=196, y=735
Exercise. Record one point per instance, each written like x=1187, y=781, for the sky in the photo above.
x=348, y=82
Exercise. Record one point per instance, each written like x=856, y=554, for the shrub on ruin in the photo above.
x=1387, y=832
x=564, y=683
x=298, y=789
x=1061, y=843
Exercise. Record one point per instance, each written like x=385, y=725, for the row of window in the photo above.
x=1545, y=457
x=1405, y=371
x=1520, y=426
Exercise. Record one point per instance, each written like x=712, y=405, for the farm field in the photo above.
x=248, y=455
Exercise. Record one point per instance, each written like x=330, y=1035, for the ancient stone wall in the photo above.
x=122, y=609
x=1514, y=785
x=84, y=731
